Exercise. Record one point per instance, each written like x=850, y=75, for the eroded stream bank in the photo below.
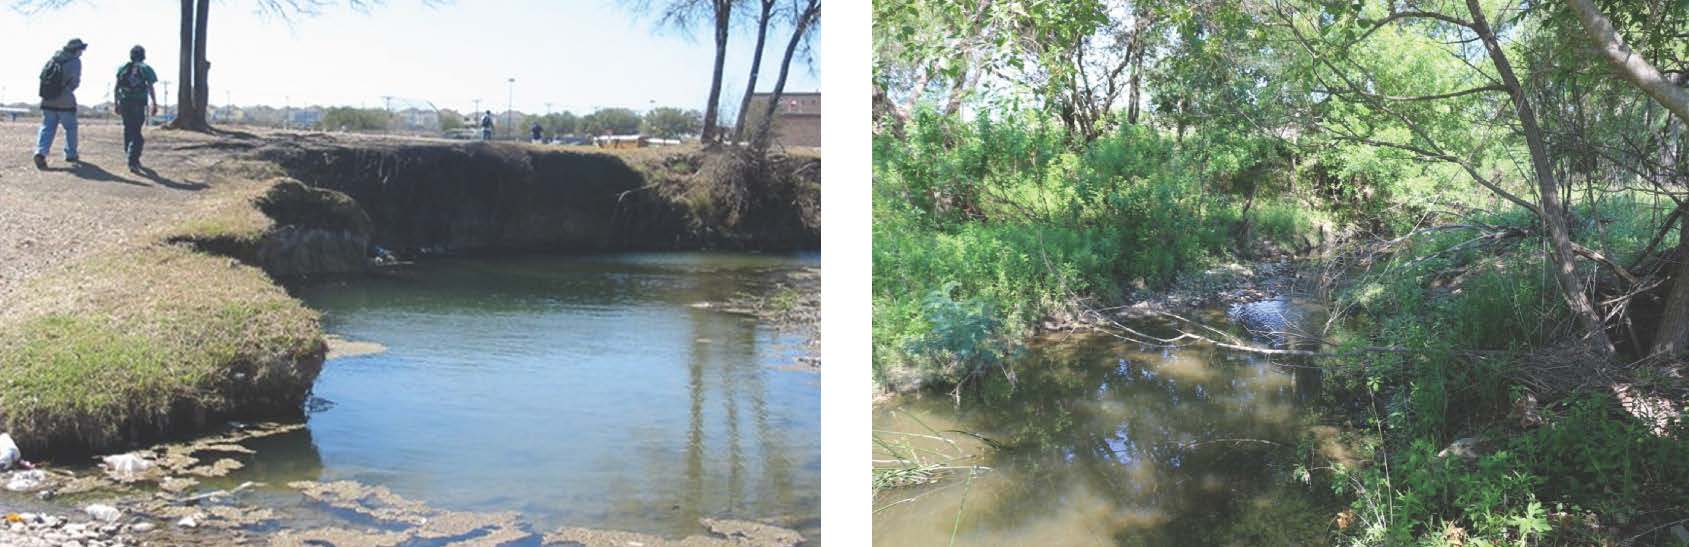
x=424, y=202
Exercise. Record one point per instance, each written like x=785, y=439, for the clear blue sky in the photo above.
x=575, y=54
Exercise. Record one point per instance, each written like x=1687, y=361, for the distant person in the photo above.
x=59, y=80
x=134, y=91
x=487, y=126
x=538, y=133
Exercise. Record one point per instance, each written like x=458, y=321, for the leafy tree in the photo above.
x=671, y=123
x=451, y=120
x=613, y=121
x=357, y=119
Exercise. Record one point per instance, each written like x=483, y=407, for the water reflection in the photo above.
x=580, y=391
x=1107, y=443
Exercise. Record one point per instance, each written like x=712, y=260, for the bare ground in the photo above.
x=49, y=218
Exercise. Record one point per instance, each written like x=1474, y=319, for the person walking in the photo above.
x=134, y=90
x=537, y=132
x=59, y=80
x=487, y=126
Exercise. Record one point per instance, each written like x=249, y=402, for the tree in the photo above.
x=451, y=120
x=808, y=12
x=612, y=121
x=357, y=119
x=671, y=123
x=1672, y=336
x=764, y=15
x=682, y=14
x=562, y=123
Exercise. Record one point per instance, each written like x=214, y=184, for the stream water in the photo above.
x=1100, y=441
x=577, y=391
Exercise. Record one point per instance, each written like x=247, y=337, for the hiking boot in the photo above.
x=40, y=161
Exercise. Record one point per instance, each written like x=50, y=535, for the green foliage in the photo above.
x=1002, y=210
x=357, y=119
x=1595, y=457
x=557, y=123
x=671, y=123
x=451, y=120
x=1426, y=499
x=612, y=121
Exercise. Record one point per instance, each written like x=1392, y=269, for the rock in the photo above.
x=142, y=528
x=109, y=529
x=18, y=527
x=72, y=543
x=27, y=481
x=104, y=513
x=55, y=537
x=187, y=522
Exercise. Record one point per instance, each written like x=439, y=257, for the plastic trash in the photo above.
x=27, y=481
x=126, y=464
x=9, y=455
x=103, y=512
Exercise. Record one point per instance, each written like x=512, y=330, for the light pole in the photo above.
x=510, y=109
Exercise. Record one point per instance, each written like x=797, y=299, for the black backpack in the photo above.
x=52, y=79
x=134, y=79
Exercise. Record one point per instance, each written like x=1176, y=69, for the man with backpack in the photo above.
x=59, y=80
x=134, y=90
x=487, y=126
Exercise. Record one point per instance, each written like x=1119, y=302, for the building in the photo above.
x=797, y=119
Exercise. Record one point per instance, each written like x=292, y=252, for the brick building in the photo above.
x=797, y=120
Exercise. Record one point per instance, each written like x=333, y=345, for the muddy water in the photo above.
x=1104, y=442
x=587, y=391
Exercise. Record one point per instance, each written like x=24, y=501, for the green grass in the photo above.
x=121, y=347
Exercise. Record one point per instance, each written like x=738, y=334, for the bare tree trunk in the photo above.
x=723, y=17
x=756, y=66
x=887, y=115
x=1630, y=64
x=918, y=91
x=804, y=20
x=1673, y=336
x=185, y=73
x=1552, y=213
x=1137, y=71
x=202, y=90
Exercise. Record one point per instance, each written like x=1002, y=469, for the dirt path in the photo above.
x=51, y=217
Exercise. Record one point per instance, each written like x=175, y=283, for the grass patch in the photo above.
x=128, y=346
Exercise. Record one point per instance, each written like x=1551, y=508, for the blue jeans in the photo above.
x=50, y=122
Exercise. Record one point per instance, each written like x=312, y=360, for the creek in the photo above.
x=1097, y=441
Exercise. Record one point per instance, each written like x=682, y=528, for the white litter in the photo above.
x=9, y=454
x=27, y=481
x=126, y=464
x=103, y=513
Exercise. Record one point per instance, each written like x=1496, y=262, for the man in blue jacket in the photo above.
x=59, y=80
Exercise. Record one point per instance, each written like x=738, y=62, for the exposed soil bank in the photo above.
x=150, y=339
x=478, y=197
